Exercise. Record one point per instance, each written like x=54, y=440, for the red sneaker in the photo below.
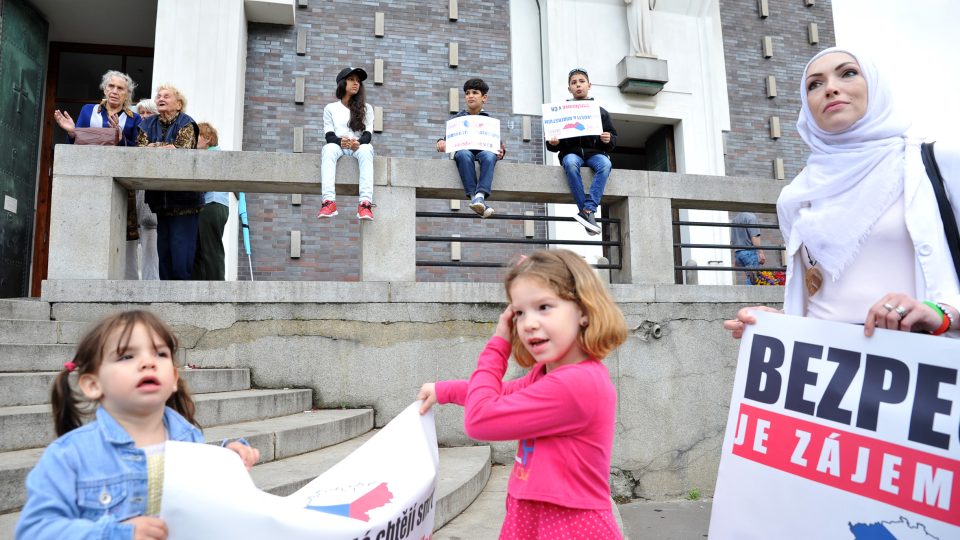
x=328, y=210
x=365, y=211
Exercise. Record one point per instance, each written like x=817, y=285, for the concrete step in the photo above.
x=287, y=436
x=14, y=468
x=482, y=519
x=7, y=523
x=17, y=357
x=30, y=426
x=34, y=388
x=246, y=405
x=276, y=438
x=40, y=332
x=25, y=309
x=463, y=473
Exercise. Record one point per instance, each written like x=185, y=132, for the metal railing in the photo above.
x=680, y=266
x=609, y=242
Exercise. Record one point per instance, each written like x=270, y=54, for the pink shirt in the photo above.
x=564, y=421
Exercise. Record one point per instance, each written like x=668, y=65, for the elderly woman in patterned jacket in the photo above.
x=177, y=211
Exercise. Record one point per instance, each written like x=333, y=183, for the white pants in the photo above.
x=328, y=170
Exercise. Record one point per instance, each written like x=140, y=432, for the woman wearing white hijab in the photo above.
x=861, y=219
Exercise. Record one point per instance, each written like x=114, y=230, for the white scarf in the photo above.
x=851, y=178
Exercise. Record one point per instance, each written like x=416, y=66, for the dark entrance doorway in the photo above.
x=23, y=40
x=644, y=146
x=73, y=80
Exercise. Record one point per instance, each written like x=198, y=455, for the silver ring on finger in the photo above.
x=901, y=311
x=888, y=307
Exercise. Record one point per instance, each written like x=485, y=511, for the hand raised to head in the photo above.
x=505, y=325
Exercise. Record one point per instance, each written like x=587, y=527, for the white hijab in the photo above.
x=852, y=176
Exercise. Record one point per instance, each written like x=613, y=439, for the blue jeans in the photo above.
x=748, y=258
x=600, y=164
x=468, y=173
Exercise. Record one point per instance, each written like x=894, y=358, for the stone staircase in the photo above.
x=296, y=443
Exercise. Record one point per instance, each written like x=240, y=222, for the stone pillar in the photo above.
x=88, y=228
x=388, y=248
x=647, y=249
x=213, y=82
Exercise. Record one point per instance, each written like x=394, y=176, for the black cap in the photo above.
x=346, y=72
x=578, y=70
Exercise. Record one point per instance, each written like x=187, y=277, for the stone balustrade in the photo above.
x=89, y=219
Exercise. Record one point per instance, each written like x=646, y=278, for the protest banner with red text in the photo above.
x=835, y=435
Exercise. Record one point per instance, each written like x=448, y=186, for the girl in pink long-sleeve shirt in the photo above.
x=560, y=322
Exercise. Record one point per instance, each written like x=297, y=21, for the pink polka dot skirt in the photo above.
x=536, y=520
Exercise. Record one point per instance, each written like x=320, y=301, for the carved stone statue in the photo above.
x=638, y=24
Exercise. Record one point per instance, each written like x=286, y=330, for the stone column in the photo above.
x=88, y=228
x=647, y=249
x=388, y=248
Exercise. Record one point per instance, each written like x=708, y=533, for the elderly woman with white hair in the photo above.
x=177, y=211
x=865, y=232
x=114, y=110
x=146, y=108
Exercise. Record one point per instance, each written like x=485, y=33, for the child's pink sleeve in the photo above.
x=556, y=404
x=451, y=392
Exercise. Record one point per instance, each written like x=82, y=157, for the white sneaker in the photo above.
x=478, y=206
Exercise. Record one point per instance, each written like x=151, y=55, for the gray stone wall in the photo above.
x=417, y=78
x=750, y=151
x=673, y=392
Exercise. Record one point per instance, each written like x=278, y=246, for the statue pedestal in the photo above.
x=641, y=75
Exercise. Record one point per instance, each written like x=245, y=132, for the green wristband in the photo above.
x=936, y=308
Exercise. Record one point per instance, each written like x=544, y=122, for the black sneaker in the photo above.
x=588, y=221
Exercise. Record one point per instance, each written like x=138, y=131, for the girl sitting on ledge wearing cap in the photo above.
x=346, y=124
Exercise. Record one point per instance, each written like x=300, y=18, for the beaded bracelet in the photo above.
x=945, y=322
x=948, y=313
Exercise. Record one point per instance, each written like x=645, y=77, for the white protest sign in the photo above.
x=473, y=132
x=571, y=119
x=384, y=489
x=835, y=435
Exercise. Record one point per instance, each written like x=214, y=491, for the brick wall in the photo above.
x=414, y=99
x=749, y=149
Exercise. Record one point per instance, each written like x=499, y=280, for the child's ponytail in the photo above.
x=182, y=402
x=66, y=413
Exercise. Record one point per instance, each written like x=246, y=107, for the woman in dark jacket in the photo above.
x=177, y=211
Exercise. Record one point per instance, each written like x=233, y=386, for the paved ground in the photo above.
x=674, y=520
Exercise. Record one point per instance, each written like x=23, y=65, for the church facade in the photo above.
x=693, y=86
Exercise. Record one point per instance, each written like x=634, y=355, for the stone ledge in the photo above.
x=274, y=172
x=307, y=292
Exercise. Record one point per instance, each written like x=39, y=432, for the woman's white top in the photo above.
x=336, y=118
x=935, y=277
x=884, y=264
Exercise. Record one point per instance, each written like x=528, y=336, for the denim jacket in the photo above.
x=91, y=480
